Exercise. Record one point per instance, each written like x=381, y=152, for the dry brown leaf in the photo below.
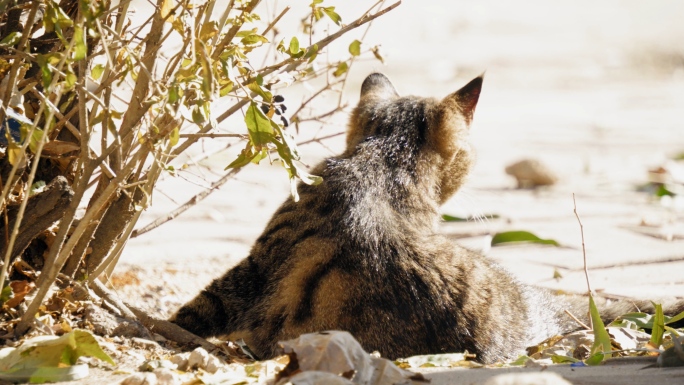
x=20, y=289
x=60, y=147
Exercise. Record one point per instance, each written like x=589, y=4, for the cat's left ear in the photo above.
x=467, y=97
x=378, y=85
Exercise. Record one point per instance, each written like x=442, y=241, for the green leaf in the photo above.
x=259, y=156
x=265, y=94
x=311, y=53
x=672, y=330
x=245, y=156
x=673, y=319
x=44, y=62
x=658, y=326
x=5, y=294
x=342, y=68
x=355, y=48
x=207, y=73
x=198, y=116
x=520, y=236
x=70, y=79
x=521, y=360
x=55, y=18
x=174, y=93
x=97, y=71
x=36, y=137
x=294, y=46
x=80, y=48
x=558, y=359
x=208, y=30
x=317, y=13
x=14, y=153
x=43, y=375
x=241, y=161
x=330, y=11
x=253, y=40
x=259, y=126
x=11, y=39
x=451, y=218
x=246, y=32
x=226, y=88
x=639, y=320
x=37, y=188
x=46, y=352
x=662, y=191
x=174, y=136
x=602, y=345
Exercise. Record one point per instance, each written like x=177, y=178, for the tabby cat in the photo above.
x=360, y=252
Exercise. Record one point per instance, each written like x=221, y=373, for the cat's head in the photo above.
x=441, y=127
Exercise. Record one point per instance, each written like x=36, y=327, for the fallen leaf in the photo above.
x=508, y=237
x=50, y=358
x=59, y=147
x=20, y=289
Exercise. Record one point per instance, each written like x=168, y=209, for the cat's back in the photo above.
x=359, y=252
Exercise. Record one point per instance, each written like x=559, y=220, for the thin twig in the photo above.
x=14, y=70
x=50, y=271
x=312, y=97
x=62, y=119
x=188, y=204
x=291, y=65
x=582, y=324
x=234, y=29
x=34, y=167
x=584, y=250
x=214, y=135
x=315, y=140
x=275, y=21
x=353, y=58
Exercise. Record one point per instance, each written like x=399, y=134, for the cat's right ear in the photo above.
x=379, y=86
x=467, y=97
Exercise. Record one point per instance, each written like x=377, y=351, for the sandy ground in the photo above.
x=593, y=90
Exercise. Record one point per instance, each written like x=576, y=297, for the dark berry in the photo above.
x=278, y=99
x=285, y=122
x=265, y=108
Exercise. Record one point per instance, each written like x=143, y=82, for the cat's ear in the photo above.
x=467, y=97
x=378, y=85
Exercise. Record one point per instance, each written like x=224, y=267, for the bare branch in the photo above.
x=185, y=206
x=275, y=21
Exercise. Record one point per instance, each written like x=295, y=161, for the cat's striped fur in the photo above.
x=359, y=252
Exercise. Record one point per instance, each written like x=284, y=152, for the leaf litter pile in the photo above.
x=76, y=334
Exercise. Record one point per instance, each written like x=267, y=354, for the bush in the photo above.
x=91, y=100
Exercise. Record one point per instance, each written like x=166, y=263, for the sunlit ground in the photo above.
x=595, y=90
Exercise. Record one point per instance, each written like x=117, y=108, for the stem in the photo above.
x=49, y=273
x=188, y=204
x=14, y=71
x=34, y=167
x=584, y=253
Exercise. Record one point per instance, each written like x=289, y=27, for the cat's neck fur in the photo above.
x=391, y=188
